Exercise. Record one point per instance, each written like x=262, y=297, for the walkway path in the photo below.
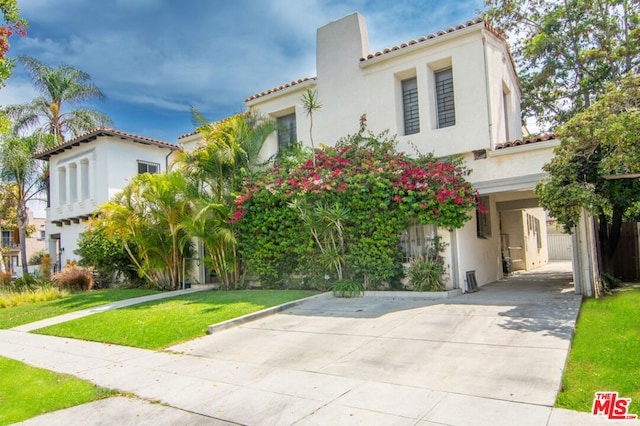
x=492, y=357
x=107, y=307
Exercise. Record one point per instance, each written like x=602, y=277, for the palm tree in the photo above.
x=27, y=176
x=310, y=104
x=230, y=151
x=59, y=87
x=148, y=215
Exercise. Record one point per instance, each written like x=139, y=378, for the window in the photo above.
x=484, y=219
x=414, y=241
x=445, y=105
x=410, y=106
x=148, y=167
x=62, y=185
x=505, y=108
x=7, y=239
x=84, y=179
x=287, y=135
x=42, y=235
x=73, y=183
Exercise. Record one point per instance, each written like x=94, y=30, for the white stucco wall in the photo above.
x=111, y=162
x=478, y=254
x=349, y=88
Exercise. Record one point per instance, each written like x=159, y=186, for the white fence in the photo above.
x=559, y=246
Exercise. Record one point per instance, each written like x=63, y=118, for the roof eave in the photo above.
x=311, y=82
x=437, y=39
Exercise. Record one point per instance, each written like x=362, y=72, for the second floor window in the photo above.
x=287, y=135
x=444, y=98
x=148, y=167
x=7, y=239
x=410, y=106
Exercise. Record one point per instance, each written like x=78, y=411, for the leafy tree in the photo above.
x=13, y=24
x=597, y=166
x=8, y=215
x=27, y=175
x=59, y=87
x=568, y=50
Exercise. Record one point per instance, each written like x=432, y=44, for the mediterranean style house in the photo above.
x=455, y=92
x=87, y=171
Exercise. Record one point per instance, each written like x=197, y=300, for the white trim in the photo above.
x=524, y=148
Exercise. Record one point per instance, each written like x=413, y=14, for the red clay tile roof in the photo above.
x=186, y=135
x=533, y=139
x=469, y=23
x=101, y=131
x=277, y=89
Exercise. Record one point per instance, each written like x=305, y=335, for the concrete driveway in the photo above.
x=488, y=358
x=491, y=357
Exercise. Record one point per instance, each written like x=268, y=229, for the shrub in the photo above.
x=106, y=256
x=29, y=281
x=427, y=272
x=74, y=277
x=45, y=267
x=22, y=297
x=36, y=258
x=347, y=288
x=5, y=279
x=426, y=275
x=610, y=282
x=365, y=192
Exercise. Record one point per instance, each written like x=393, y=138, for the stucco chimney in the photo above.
x=340, y=46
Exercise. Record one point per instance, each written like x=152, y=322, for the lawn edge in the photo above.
x=234, y=322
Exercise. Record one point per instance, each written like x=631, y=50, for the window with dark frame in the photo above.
x=445, y=103
x=148, y=167
x=484, y=219
x=410, y=106
x=287, y=135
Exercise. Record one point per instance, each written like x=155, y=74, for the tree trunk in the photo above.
x=23, y=221
x=609, y=237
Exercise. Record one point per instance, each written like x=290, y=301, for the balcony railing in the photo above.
x=8, y=244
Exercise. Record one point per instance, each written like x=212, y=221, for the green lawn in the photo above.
x=605, y=354
x=27, y=392
x=24, y=314
x=157, y=324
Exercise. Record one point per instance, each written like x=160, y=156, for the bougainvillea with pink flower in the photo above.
x=381, y=190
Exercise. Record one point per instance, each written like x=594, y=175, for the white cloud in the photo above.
x=159, y=56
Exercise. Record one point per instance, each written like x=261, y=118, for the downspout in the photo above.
x=454, y=259
x=488, y=91
x=166, y=161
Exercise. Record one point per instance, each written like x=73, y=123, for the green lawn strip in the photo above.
x=27, y=392
x=605, y=354
x=24, y=314
x=157, y=324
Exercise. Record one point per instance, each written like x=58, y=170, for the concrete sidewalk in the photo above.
x=489, y=358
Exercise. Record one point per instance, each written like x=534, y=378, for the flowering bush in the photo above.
x=381, y=190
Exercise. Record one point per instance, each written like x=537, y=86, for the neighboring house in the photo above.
x=454, y=92
x=87, y=171
x=10, y=244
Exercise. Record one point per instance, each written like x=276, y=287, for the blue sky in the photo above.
x=153, y=59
